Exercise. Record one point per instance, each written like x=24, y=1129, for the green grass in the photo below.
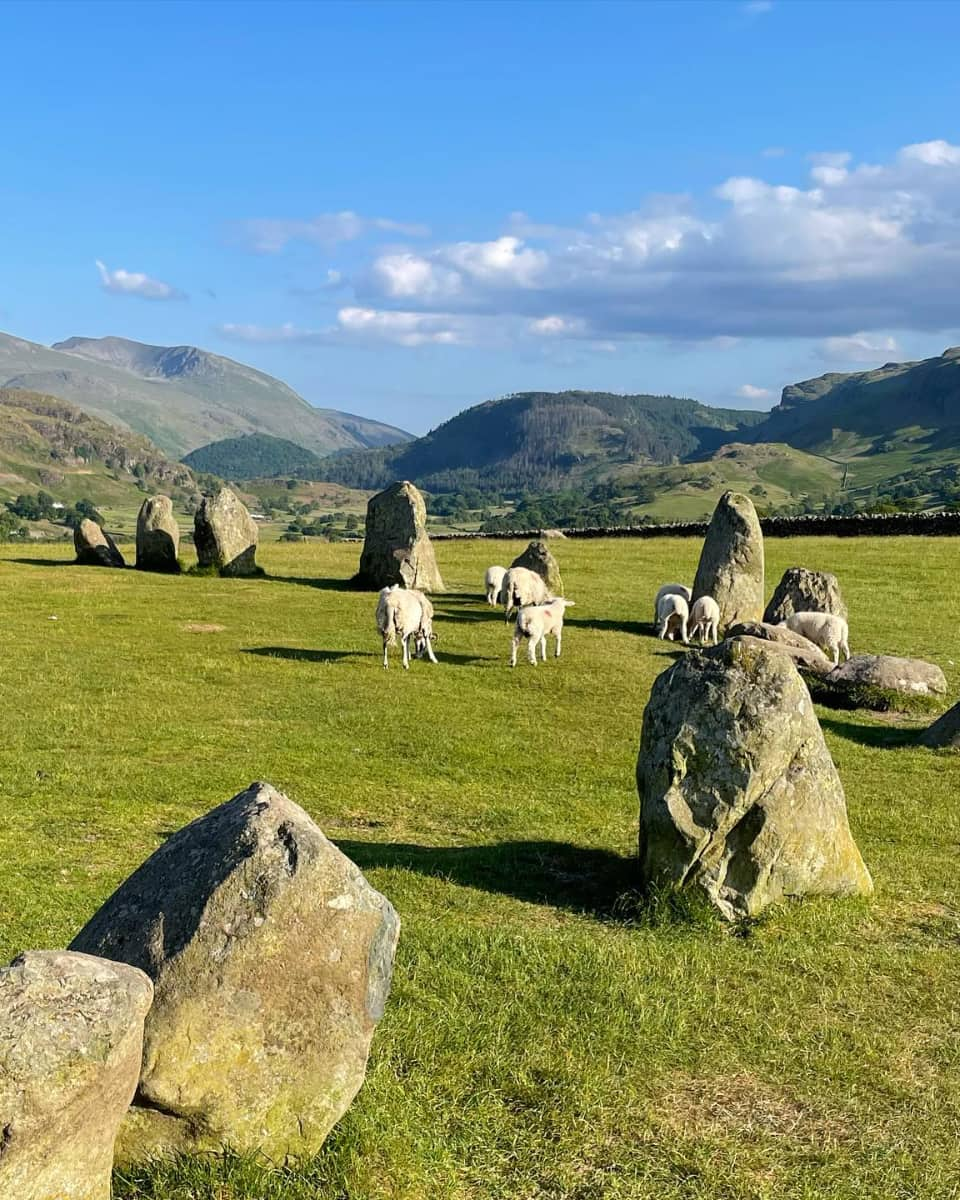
x=547, y=1036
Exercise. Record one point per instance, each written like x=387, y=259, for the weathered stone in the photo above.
x=911, y=676
x=95, y=547
x=396, y=548
x=537, y=558
x=225, y=534
x=731, y=561
x=158, y=536
x=801, y=590
x=801, y=650
x=71, y=1032
x=739, y=797
x=271, y=956
x=945, y=731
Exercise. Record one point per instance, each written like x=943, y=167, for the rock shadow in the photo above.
x=325, y=585
x=295, y=654
x=42, y=562
x=882, y=737
x=642, y=628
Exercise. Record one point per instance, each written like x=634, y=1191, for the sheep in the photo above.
x=672, y=615
x=409, y=614
x=493, y=582
x=677, y=589
x=521, y=588
x=535, y=622
x=826, y=630
x=705, y=620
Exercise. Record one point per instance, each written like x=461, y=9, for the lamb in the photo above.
x=672, y=616
x=668, y=589
x=535, y=622
x=826, y=630
x=493, y=582
x=406, y=613
x=521, y=588
x=705, y=620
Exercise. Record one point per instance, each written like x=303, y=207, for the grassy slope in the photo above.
x=535, y=1046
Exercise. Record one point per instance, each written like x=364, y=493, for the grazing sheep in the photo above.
x=705, y=620
x=522, y=588
x=670, y=589
x=493, y=582
x=826, y=630
x=535, y=622
x=406, y=613
x=672, y=615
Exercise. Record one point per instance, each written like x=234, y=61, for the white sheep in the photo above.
x=705, y=620
x=522, y=587
x=535, y=622
x=672, y=616
x=826, y=630
x=670, y=589
x=405, y=613
x=493, y=582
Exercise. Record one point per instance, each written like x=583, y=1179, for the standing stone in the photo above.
x=738, y=794
x=271, y=956
x=396, y=548
x=537, y=557
x=158, y=536
x=71, y=1033
x=801, y=590
x=226, y=535
x=945, y=731
x=95, y=547
x=731, y=561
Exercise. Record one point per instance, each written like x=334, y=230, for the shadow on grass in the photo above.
x=883, y=737
x=597, y=883
x=323, y=585
x=640, y=628
x=44, y=562
x=298, y=654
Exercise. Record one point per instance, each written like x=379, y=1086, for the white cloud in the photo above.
x=134, y=283
x=556, y=327
x=859, y=348
x=269, y=235
x=748, y=392
x=756, y=8
x=363, y=326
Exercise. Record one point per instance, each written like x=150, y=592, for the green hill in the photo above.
x=255, y=456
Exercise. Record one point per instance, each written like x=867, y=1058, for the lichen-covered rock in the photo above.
x=396, y=548
x=801, y=590
x=225, y=534
x=731, y=561
x=95, y=547
x=801, y=650
x=271, y=956
x=537, y=558
x=738, y=794
x=71, y=1031
x=158, y=536
x=910, y=676
x=945, y=731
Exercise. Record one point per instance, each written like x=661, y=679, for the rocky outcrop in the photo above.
x=731, y=561
x=801, y=590
x=799, y=649
x=158, y=536
x=271, y=957
x=225, y=535
x=537, y=558
x=739, y=797
x=71, y=1031
x=396, y=548
x=95, y=547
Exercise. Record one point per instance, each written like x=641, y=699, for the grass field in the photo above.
x=546, y=1036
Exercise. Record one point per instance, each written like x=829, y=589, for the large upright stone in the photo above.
x=739, y=797
x=945, y=731
x=71, y=1032
x=537, y=557
x=271, y=956
x=158, y=536
x=94, y=546
x=226, y=535
x=731, y=561
x=396, y=548
x=801, y=590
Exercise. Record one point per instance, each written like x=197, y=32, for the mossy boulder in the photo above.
x=731, y=561
x=739, y=797
x=225, y=535
x=271, y=957
x=95, y=547
x=806, y=656
x=537, y=558
x=396, y=548
x=802, y=590
x=158, y=536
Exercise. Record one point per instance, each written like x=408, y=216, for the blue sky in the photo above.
x=402, y=209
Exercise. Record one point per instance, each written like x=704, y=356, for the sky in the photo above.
x=402, y=209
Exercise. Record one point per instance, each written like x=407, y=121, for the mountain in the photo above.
x=256, y=456
x=545, y=441
x=180, y=397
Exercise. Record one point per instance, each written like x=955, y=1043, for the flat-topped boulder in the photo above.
x=801, y=650
x=396, y=548
x=537, y=558
x=225, y=535
x=731, y=561
x=801, y=590
x=881, y=682
x=271, y=957
x=158, y=536
x=71, y=1034
x=94, y=546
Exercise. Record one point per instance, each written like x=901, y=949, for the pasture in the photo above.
x=547, y=1036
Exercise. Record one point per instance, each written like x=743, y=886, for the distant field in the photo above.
x=546, y=1038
